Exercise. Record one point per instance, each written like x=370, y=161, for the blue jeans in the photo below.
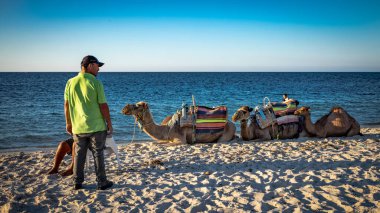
x=96, y=143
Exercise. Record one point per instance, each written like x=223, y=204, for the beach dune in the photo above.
x=307, y=174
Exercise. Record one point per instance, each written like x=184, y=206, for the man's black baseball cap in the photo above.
x=90, y=59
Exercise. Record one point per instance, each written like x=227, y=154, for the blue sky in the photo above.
x=179, y=35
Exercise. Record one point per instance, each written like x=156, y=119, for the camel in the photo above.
x=335, y=124
x=175, y=134
x=254, y=132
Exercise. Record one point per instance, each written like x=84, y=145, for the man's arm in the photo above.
x=67, y=118
x=104, y=109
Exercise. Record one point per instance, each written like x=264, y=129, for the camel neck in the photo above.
x=309, y=126
x=246, y=132
x=157, y=132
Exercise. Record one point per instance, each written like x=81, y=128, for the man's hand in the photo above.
x=109, y=129
x=106, y=115
x=69, y=129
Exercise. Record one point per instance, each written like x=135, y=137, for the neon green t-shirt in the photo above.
x=84, y=93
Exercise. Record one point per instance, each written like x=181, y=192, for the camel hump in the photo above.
x=166, y=120
x=337, y=109
x=342, y=112
x=337, y=115
x=323, y=120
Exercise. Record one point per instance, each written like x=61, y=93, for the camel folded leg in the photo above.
x=176, y=141
x=228, y=134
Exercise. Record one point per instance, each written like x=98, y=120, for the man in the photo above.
x=287, y=100
x=88, y=119
x=65, y=147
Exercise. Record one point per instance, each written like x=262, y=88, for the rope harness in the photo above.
x=138, y=120
x=193, y=135
x=134, y=128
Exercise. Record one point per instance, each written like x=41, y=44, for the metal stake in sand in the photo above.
x=194, y=120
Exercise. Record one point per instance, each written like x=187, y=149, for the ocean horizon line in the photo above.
x=195, y=71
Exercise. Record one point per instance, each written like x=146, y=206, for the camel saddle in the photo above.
x=281, y=109
x=210, y=120
x=174, y=120
x=207, y=120
x=287, y=119
x=267, y=117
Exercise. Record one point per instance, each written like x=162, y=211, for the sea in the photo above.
x=31, y=106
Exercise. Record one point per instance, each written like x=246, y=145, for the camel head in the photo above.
x=304, y=111
x=243, y=113
x=133, y=109
x=140, y=111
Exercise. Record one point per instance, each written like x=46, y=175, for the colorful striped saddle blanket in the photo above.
x=281, y=109
x=210, y=120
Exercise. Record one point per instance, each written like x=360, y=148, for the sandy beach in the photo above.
x=296, y=175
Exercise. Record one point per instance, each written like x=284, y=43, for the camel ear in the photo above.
x=308, y=108
x=250, y=109
x=142, y=104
